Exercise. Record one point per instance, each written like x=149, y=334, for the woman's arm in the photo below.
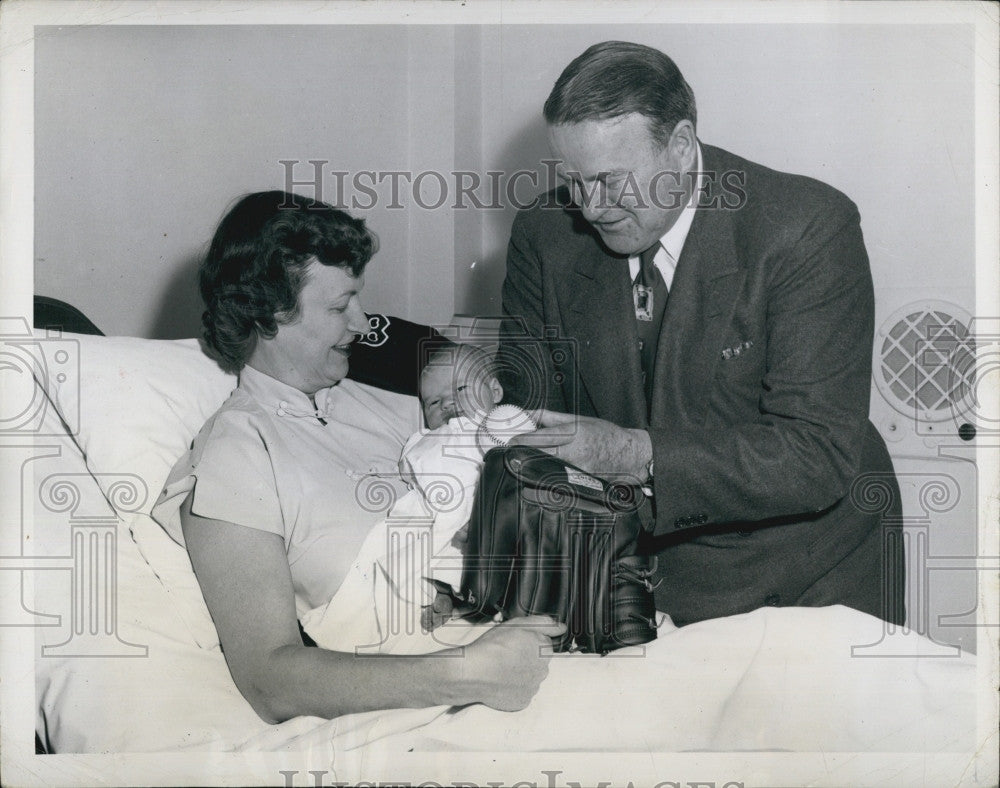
x=247, y=585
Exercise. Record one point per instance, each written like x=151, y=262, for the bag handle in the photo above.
x=562, y=481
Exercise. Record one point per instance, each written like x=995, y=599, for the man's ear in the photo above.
x=684, y=143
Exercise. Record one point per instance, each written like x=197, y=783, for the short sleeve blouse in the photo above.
x=318, y=476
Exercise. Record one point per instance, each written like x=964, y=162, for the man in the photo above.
x=720, y=316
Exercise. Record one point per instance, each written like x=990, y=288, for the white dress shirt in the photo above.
x=672, y=242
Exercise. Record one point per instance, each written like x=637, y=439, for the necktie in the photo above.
x=645, y=283
x=649, y=293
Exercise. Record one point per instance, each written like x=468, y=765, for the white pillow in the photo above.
x=133, y=405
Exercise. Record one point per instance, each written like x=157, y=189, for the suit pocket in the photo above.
x=739, y=373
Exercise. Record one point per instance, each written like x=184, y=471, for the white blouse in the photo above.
x=320, y=477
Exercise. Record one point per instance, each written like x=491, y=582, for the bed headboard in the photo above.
x=388, y=357
x=51, y=313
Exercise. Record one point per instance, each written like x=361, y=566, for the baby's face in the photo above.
x=447, y=391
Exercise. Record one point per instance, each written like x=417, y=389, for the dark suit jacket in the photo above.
x=770, y=482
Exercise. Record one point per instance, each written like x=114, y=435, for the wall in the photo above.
x=883, y=113
x=144, y=136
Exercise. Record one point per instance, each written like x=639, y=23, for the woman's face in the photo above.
x=311, y=353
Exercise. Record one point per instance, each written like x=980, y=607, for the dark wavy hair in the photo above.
x=251, y=278
x=616, y=78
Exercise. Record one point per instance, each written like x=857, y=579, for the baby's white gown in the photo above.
x=377, y=607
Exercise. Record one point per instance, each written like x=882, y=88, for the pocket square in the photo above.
x=735, y=350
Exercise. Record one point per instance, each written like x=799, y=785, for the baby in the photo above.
x=459, y=395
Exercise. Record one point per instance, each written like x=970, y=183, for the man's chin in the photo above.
x=621, y=244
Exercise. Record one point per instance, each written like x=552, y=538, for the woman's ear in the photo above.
x=496, y=390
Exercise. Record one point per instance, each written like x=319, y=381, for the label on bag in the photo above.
x=582, y=480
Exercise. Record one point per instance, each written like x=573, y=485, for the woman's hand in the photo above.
x=246, y=582
x=504, y=668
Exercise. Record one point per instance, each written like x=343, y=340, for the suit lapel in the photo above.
x=706, y=286
x=599, y=315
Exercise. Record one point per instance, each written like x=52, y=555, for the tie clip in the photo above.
x=643, y=298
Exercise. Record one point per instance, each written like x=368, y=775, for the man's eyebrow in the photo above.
x=603, y=175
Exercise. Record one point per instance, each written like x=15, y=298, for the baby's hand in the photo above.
x=437, y=613
x=406, y=472
x=461, y=538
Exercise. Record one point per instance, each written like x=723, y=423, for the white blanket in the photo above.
x=378, y=607
x=776, y=679
x=773, y=679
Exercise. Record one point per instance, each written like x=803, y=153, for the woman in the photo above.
x=256, y=499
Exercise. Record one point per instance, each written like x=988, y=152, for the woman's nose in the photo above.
x=357, y=320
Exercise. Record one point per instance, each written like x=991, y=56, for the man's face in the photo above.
x=630, y=187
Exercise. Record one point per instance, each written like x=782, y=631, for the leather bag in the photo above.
x=547, y=538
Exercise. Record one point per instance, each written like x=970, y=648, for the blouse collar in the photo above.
x=282, y=399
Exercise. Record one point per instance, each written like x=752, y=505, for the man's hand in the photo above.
x=593, y=445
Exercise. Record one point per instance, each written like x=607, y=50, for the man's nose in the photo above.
x=593, y=205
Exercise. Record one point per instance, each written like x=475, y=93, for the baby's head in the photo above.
x=458, y=380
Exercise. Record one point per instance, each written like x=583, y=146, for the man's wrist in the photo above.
x=644, y=451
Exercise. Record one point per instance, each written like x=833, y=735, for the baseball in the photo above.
x=505, y=421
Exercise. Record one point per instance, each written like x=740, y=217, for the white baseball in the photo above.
x=505, y=421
